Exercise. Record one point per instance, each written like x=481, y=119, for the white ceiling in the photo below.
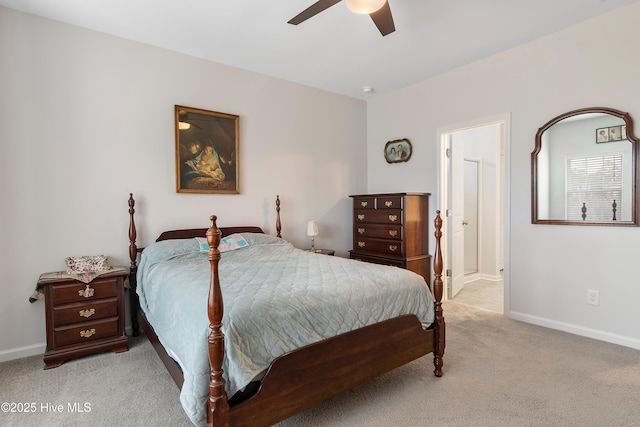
x=336, y=50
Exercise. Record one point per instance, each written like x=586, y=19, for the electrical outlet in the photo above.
x=593, y=297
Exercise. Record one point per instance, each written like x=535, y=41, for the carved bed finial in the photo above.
x=133, y=269
x=218, y=404
x=438, y=352
x=278, y=224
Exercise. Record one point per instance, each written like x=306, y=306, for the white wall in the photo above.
x=86, y=118
x=551, y=267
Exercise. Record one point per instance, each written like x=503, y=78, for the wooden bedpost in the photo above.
x=437, y=294
x=278, y=224
x=218, y=404
x=133, y=269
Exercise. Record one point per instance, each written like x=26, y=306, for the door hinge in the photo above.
x=448, y=272
x=448, y=152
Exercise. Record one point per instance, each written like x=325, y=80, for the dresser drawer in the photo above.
x=364, y=202
x=358, y=256
x=378, y=230
x=386, y=216
x=381, y=246
x=83, y=311
x=389, y=202
x=76, y=291
x=86, y=332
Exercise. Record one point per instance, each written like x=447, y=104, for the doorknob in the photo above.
x=465, y=222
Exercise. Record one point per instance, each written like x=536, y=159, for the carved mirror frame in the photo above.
x=634, y=168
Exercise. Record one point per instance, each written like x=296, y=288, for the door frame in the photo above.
x=442, y=185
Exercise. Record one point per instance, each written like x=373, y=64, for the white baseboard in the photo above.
x=577, y=330
x=20, y=352
x=478, y=276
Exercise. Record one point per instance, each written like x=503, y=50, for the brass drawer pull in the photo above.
x=393, y=233
x=361, y=244
x=388, y=203
x=393, y=218
x=87, y=313
x=393, y=248
x=360, y=230
x=87, y=333
x=360, y=217
x=86, y=292
x=364, y=204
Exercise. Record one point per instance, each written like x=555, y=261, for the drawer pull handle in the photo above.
x=393, y=218
x=388, y=203
x=88, y=313
x=393, y=233
x=393, y=248
x=364, y=204
x=361, y=217
x=86, y=292
x=360, y=230
x=361, y=244
x=87, y=333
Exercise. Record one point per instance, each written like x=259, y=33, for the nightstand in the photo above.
x=84, y=319
x=325, y=251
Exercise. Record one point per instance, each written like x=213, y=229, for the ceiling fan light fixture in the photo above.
x=364, y=6
x=183, y=125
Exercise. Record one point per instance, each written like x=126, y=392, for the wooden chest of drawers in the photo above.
x=392, y=229
x=83, y=319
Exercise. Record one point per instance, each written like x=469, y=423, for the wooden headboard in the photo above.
x=201, y=232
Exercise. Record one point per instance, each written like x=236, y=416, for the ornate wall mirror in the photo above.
x=584, y=169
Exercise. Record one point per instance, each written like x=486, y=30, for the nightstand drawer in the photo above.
x=386, y=216
x=85, y=332
x=379, y=245
x=82, y=311
x=378, y=230
x=78, y=291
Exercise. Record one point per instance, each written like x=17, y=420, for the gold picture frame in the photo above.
x=207, y=151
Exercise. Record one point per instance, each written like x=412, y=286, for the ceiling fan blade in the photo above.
x=312, y=10
x=384, y=20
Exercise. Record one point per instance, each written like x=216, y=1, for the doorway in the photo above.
x=473, y=198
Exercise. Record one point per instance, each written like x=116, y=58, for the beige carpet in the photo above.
x=485, y=294
x=498, y=372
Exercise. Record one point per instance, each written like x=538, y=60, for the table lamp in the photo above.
x=312, y=231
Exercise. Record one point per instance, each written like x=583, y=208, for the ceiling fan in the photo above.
x=379, y=11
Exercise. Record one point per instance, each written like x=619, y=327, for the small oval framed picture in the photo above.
x=398, y=150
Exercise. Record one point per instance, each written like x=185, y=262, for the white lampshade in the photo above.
x=364, y=6
x=183, y=125
x=312, y=228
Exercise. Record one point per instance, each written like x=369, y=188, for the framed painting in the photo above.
x=207, y=144
x=398, y=150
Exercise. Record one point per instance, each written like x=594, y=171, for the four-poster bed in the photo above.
x=307, y=374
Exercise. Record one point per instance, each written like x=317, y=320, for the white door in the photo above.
x=471, y=200
x=457, y=216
